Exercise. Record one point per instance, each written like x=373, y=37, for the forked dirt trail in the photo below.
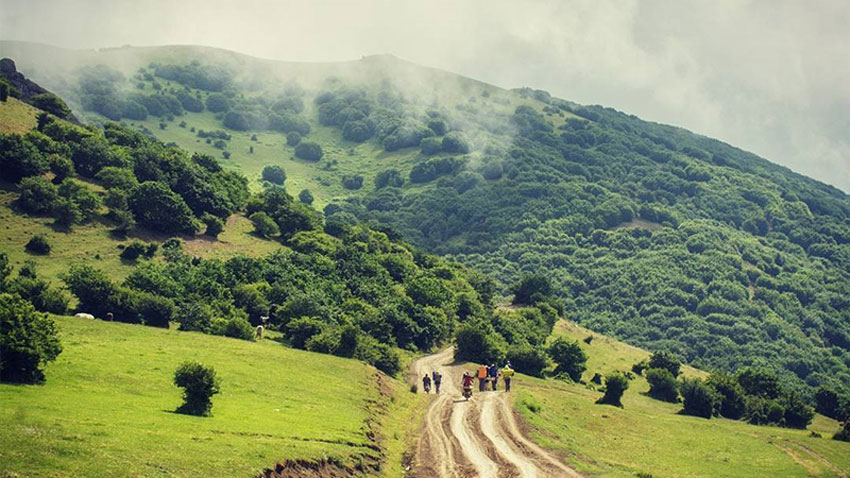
x=475, y=438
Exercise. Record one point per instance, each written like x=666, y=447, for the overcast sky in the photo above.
x=769, y=76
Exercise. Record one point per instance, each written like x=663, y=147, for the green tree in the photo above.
x=91, y=286
x=19, y=158
x=61, y=167
x=274, y=174
x=94, y=154
x=732, y=398
x=759, y=382
x=530, y=288
x=569, y=358
x=389, y=178
x=698, y=399
x=38, y=244
x=476, y=341
x=527, y=359
x=38, y=195
x=305, y=196
x=264, y=226
x=52, y=104
x=662, y=385
x=616, y=384
x=28, y=341
x=665, y=360
x=309, y=151
x=214, y=225
x=199, y=384
x=159, y=208
x=115, y=177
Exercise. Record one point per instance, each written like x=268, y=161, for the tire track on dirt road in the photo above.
x=479, y=437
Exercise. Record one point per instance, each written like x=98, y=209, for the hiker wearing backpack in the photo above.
x=507, y=374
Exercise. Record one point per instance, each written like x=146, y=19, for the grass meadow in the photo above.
x=649, y=436
x=107, y=408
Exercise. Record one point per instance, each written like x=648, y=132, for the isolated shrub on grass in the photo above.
x=309, y=151
x=134, y=250
x=38, y=244
x=199, y=384
x=616, y=385
x=214, y=225
x=28, y=341
x=305, y=196
x=662, y=385
x=354, y=181
x=665, y=360
x=569, y=357
x=274, y=174
x=698, y=399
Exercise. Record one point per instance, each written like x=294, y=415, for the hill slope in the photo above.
x=107, y=407
x=649, y=436
x=744, y=262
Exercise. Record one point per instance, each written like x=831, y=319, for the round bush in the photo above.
x=38, y=245
x=199, y=384
x=309, y=151
x=28, y=341
x=274, y=174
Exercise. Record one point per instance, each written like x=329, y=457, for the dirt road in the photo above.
x=479, y=437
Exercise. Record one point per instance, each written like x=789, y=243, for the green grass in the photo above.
x=650, y=436
x=107, y=407
x=16, y=116
x=94, y=244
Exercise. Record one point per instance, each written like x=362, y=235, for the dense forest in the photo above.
x=650, y=233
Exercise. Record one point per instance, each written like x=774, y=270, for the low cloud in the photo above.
x=769, y=76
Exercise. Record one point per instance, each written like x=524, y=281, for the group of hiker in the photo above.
x=486, y=374
x=435, y=378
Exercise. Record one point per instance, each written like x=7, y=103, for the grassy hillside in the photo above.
x=650, y=436
x=17, y=117
x=93, y=243
x=107, y=407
